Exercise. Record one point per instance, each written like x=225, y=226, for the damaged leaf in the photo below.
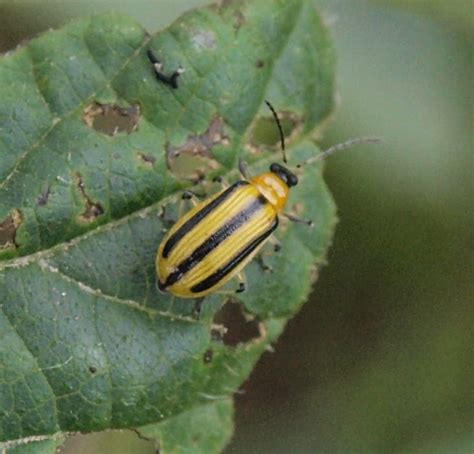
x=265, y=135
x=91, y=209
x=91, y=149
x=8, y=229
x=111, y=119
x=233, y=326
x=194, y=159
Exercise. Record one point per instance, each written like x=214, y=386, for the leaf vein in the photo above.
x=45, y=266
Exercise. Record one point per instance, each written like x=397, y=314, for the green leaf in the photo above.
x=203, y=429
x=86, y=341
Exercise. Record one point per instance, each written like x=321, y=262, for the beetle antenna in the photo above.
x=282, y=137
x=341, y=146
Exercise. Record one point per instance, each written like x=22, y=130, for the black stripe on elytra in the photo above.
x=213, y=279
x=215, y=239
x=198, y=217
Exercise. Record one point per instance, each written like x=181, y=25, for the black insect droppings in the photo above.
x=208, y=356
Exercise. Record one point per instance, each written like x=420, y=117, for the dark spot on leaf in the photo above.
x=265, y=131
x=92, y=209
x=44, y=196
x=111, y=119
x=8, y=229
x=149, y=160
x=208, y=355
x=92, y=369
x=260, y=64
x=196, y=153
x=239, y=20
x=240, y=327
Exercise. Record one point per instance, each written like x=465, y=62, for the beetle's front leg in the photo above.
x=242, y=282
x=198, y=307
x=295, y=218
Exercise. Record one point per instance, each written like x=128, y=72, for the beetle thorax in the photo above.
x=273, y=188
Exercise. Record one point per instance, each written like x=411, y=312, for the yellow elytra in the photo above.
x=211, y=243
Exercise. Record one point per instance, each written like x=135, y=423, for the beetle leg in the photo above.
x=294, y=218
x=263, y=264
x=224, y=184
x=192, y=196
x=243, y=169
x=188, y=196
x=167, y=221
x=242, y=282
x=275, y=243
x=275, y=247
x=260, y=258
x=242, y=286
x=198, y=307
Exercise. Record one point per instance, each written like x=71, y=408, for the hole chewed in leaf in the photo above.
x=233, y=326
x=147, y=159
x=196, y=153
x=8, y=229
x=92, y=209
x=265, y=131
x=111, y=119
x=132, y=439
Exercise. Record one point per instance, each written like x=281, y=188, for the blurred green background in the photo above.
x=381, y=359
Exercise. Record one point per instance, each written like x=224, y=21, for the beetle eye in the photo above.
x=275, y=168
x=288, y=177
x=292, y=180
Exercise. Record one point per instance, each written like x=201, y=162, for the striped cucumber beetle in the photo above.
x=212, y=243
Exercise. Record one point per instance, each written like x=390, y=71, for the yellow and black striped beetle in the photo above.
x=214, y=241
x=211, y=243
